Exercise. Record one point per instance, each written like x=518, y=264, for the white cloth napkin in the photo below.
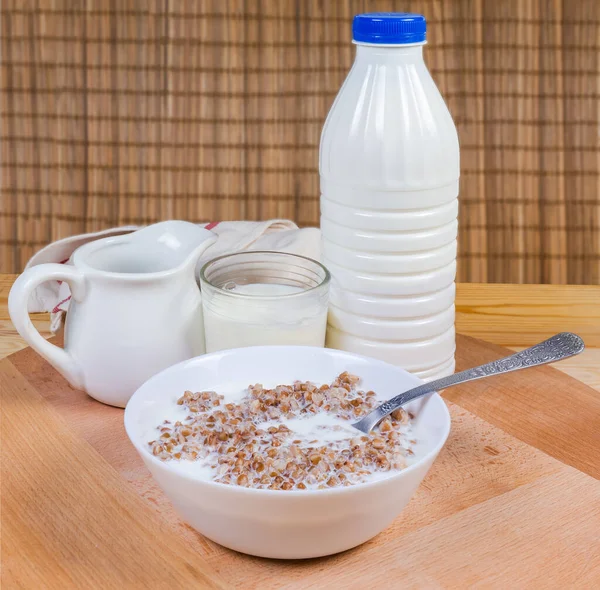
x=233, y=236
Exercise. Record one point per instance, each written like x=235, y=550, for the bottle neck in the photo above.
x=390, y=53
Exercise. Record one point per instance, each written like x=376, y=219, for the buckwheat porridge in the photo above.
x=291, y=437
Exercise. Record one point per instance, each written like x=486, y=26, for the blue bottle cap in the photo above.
x=389, y=28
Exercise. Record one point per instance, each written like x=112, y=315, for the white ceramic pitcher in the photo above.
x=135, y=308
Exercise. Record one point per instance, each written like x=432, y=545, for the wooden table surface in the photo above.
x=511, y=315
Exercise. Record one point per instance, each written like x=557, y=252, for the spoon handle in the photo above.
x=560, y=346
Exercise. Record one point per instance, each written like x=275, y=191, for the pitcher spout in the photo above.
x=165, y=247
x=185, y=242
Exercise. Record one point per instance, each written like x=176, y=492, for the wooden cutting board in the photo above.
x=513, y=500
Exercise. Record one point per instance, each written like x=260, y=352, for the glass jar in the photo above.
x=264, y=298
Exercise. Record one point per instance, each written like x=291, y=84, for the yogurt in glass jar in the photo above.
x=264, y=298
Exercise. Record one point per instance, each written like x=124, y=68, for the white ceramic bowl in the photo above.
x=285, y=524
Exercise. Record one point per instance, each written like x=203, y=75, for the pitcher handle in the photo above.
x=18, y=300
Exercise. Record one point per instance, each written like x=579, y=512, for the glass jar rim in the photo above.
x=324, y=282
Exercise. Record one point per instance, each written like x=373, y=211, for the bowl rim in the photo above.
x=146, y=455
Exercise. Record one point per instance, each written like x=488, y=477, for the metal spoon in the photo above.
x=554, y=349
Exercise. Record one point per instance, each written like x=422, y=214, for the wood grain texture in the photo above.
x=493, y=511
x=132, y=112
x=540, y=406
x=494, y=544
x=10, y=341
x=520, y=315
x=68, y=520
x=584, y=367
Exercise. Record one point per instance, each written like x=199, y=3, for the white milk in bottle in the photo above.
x=389, y=165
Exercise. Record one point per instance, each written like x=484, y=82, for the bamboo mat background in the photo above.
x=123, y=111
